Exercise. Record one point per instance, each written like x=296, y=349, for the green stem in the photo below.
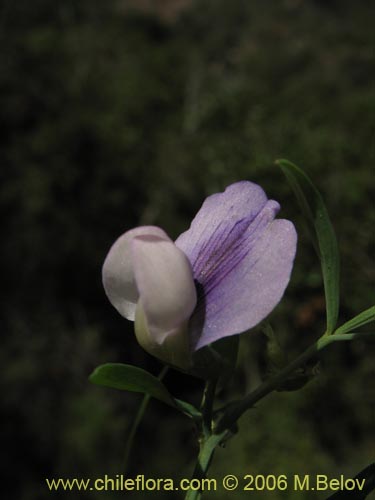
x=204, y=460
x=234, y=412
x=208, y=441
x=207, y=406
x=212, y=440
x=137, y=421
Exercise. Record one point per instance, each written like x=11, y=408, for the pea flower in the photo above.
x=221, y=277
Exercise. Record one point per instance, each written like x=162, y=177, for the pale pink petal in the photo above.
x=118, y=271
x=165, y=283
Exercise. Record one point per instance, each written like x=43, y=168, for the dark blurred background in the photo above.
x=119, y=113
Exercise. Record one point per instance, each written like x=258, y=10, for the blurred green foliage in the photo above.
x=112, y=118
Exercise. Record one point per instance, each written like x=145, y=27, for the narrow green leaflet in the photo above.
x=134, y=379
x=319, y=224
x=131, y=378
x=188, y=409
x=361, y=319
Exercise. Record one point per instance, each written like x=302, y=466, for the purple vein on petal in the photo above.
x=223, y=258
x=241, y=259
x=228, y=246
x=242, y=200
x=218, y=253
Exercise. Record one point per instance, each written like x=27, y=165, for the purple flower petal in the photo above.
x=241, y=258
x=118, y=274
x=165, y=283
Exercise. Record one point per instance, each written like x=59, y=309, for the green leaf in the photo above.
x=361, y=319
x=131, y=378
x=188, y=409
x=322, y=232
x=134, y=379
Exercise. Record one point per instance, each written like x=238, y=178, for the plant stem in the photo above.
x=203, y=462
x=207, y=406
x=208, y=441
x=234, y=413
x=212, y=438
